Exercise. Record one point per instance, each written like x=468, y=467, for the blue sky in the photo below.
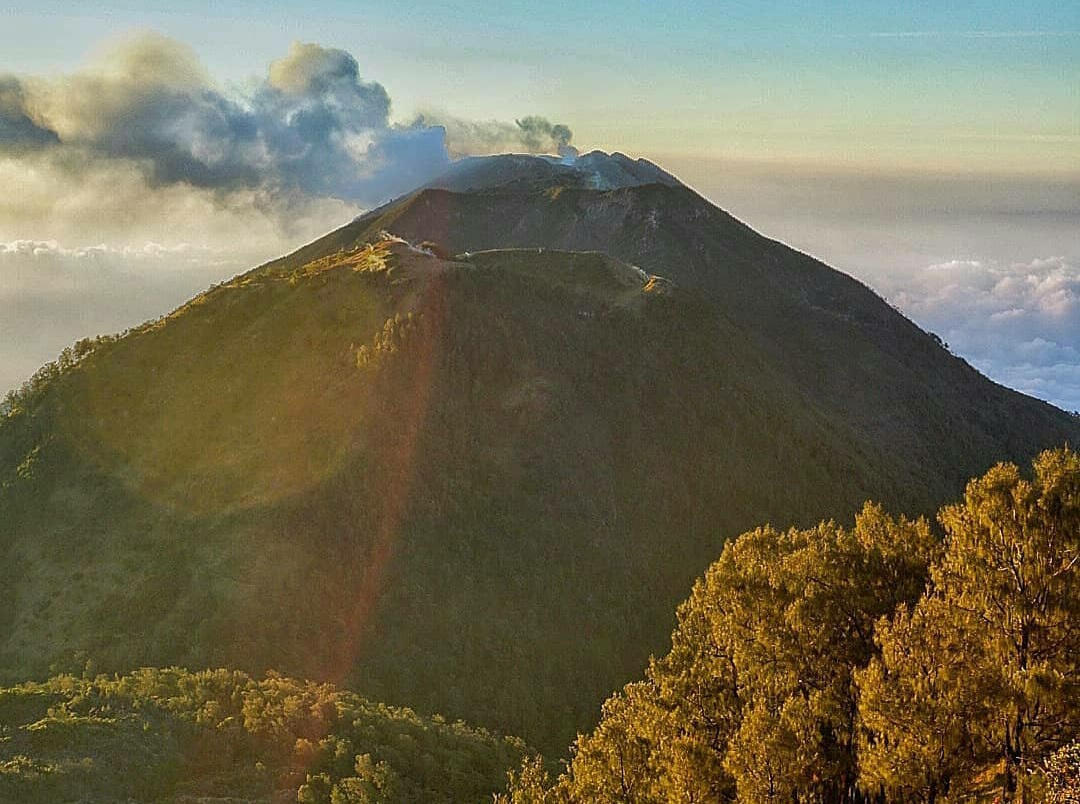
x=930, y=149
x=929, y=85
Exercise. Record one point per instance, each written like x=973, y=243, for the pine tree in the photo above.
x=755, y=701
x=917, y=706
x=1011, y=571
x=985, y=674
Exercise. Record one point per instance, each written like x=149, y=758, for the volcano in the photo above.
x=467, y=452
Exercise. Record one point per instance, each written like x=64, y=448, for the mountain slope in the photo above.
x=474, y=485
x=844, y=350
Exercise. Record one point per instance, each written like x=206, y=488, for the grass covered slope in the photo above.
x=476, y=487
x=218, y=735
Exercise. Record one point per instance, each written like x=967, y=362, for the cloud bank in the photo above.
x=1018, y=323
x=312, y=127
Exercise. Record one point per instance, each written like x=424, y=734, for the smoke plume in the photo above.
x=533, y=135
x=311, y=127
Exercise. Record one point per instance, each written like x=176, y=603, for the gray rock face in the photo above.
x=595, y=170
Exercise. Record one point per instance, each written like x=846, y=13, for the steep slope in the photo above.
x=476, y=487
x=845, y=352
x=478, y=484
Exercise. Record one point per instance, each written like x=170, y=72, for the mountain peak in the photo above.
x=595, y=170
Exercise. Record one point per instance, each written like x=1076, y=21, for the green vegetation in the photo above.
x=385, y=470
x=480, y=484
x=900, y=400
x=174, y=735
x=872, y=664
x=876, y=663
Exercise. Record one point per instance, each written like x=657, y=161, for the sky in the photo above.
x=931, y=150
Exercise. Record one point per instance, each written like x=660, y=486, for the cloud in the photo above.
x=311, y=127
x=1017, y=322
x=46, y=249
x=72, y=197
x=149, y=102
x=18, y=130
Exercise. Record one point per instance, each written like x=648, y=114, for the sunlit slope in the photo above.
x=246, y=395
x=841, y=349
x=474, y=486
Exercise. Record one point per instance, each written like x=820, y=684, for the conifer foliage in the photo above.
x=979, y=684
x=165, y=736
x=877, y=663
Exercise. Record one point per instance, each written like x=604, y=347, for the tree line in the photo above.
x=173, y=735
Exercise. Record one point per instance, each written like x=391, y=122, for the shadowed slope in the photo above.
x=845, y=352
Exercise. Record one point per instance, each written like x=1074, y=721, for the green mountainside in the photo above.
x=474, y=484
x=472, y=487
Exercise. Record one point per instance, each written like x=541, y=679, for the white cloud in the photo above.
x=50, y=248
x=1017, y=322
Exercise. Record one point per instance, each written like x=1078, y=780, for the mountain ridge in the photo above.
x=595, y=170
x=467, y=480
x=785, y=299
